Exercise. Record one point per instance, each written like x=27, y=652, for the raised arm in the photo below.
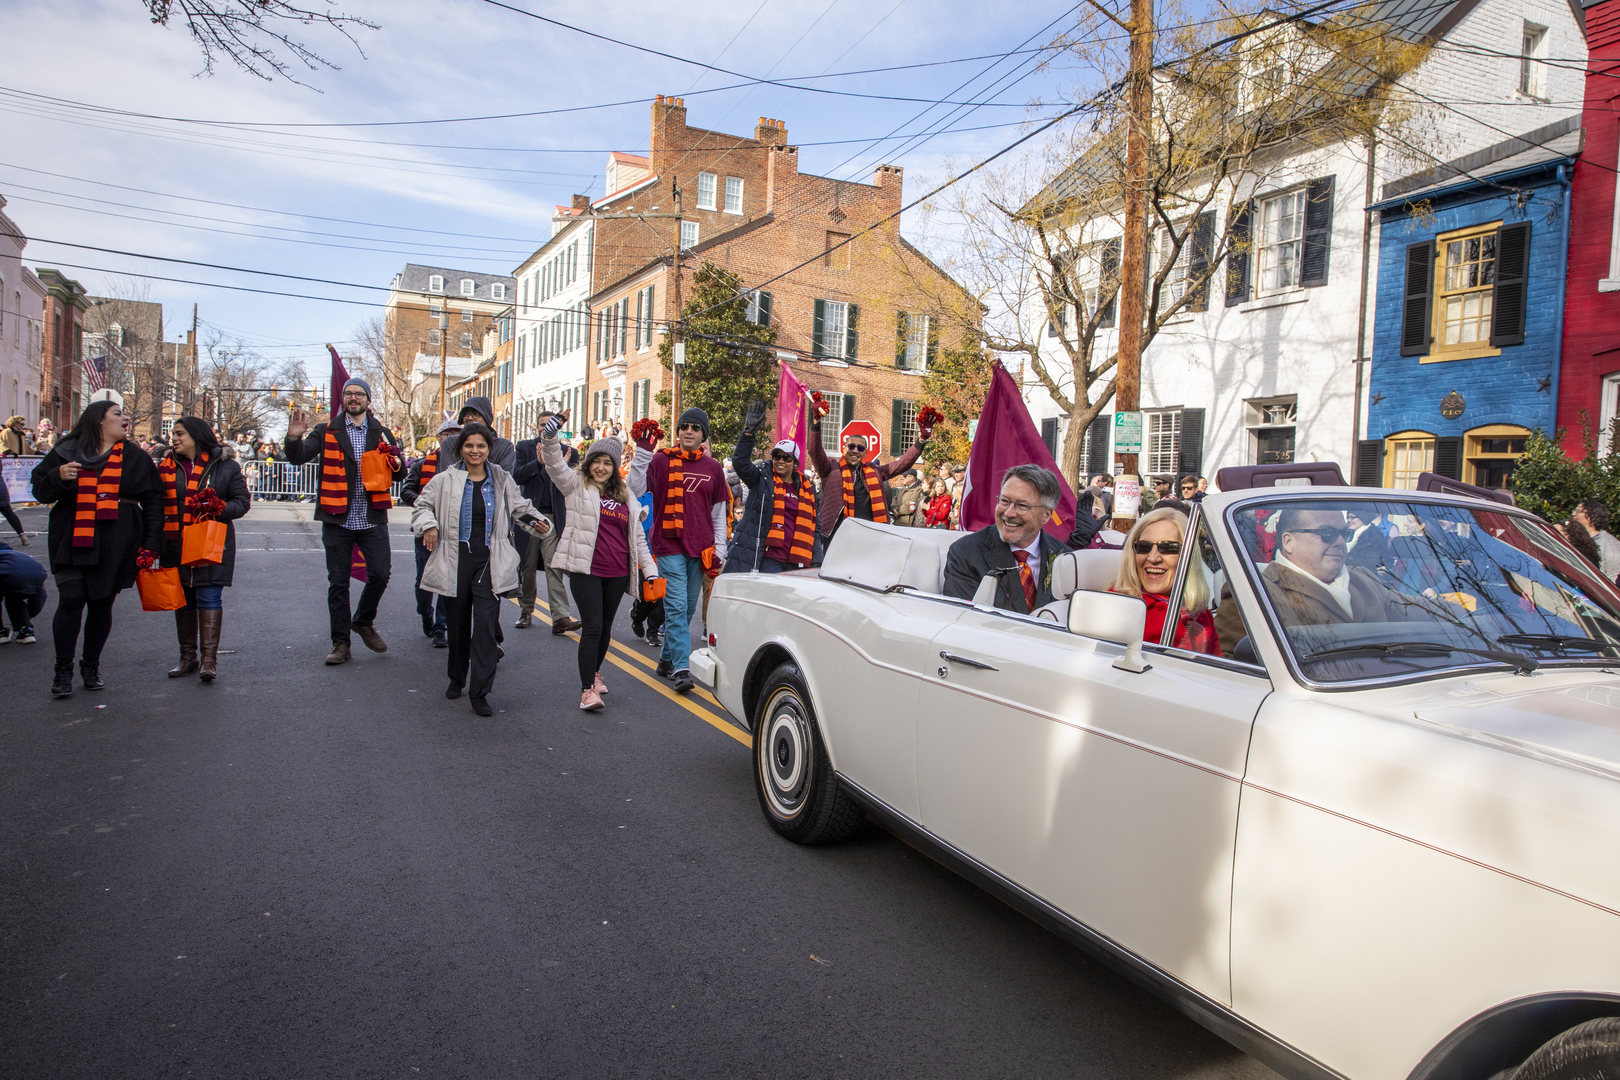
x=567, y=481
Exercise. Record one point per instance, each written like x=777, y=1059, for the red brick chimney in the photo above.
x=771, y=132
x=668, y=130
x=890, y=179
x=781, y=170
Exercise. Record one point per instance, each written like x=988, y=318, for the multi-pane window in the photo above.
x=1467, y=277
x=834, y=328
x=497, y=291
x=1532, y=51
x=1175, y=283
x=466, y=316
x=466, y=340
x=689, y=234
x=1161, y=442
x=433, y=336
x=1406, y=456
x=706, y=191
x=435, y=283
x=469, y=287
x=734, y=192
x=1282, y=228
x=910, y=434
x=833, y=423
x=916, y=354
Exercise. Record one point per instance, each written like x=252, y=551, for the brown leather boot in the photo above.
x=208, y=622
x=339, y=653
x=185, y=623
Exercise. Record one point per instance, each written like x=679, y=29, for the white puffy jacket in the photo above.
x=576, y=548
x=439, y=507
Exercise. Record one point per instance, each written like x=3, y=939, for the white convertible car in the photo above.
x=1385, y=849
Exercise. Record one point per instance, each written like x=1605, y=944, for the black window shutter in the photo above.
x=1100, y=433
x=900, y=340
x=764, y=308
x=1202, y=241
x=1240, y=257
x=896, y=425
x=818, y=345
x=1110, y=282
x=1370, y=463
x=849, y=411
x=1191, y=458
x=852, y=338
x=1512, y=281
x=1318, y=239
x=1448, y=452
x=1417, y=306
x=1049, y=428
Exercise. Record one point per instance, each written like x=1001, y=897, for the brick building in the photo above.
x=62, y=383
x=1589, y=379
x=418, y=297
x=22, y=300
x=130, y=334
x=854, y=316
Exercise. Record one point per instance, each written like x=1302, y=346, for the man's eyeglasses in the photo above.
x=1166, y=547
x=1005, y=503
x=1328, y=533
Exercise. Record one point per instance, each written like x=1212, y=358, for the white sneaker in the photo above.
x=25, y=636
x=5, y=635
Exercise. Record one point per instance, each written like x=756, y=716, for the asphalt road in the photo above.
x=304, y=871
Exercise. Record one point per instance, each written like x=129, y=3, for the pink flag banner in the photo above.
x=1007, y=436
x=790, y=422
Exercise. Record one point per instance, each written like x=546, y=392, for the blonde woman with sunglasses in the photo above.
x=1148, y=570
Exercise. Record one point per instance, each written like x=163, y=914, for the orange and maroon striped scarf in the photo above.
x=175, y=513
x=874, y=488
x=334, y=497
x=97, y=497
x=804, y=524
x=673, y=522
x=430, y=465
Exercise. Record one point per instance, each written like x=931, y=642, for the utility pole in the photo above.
x=444, y=332
x=677, y=346
x=1133, y=252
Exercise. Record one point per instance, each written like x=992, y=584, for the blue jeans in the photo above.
x=205, y=597
x=429, y=606
x=683, y=593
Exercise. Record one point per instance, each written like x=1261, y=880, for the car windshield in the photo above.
x=1385, y=588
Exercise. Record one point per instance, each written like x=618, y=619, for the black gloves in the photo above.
x=755, y=416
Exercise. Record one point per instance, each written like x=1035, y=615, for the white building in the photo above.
x=552, y=322
x=22, y=304
x=1272, y=366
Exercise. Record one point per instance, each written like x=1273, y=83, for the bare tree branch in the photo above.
x=248, y=32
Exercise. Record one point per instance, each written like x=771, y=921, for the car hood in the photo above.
x=1566, y=718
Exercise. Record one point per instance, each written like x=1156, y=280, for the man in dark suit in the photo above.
x=1016, y=542
x=1310, y=583
x=532, y=477
x=350, y=515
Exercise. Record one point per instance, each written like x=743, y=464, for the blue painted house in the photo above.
x=1469, y=316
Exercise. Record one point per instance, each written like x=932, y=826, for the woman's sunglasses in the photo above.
x=780, y=457
x=1166, y=547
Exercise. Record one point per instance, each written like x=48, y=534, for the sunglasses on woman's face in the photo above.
x=1166, y=547
x=780, y=457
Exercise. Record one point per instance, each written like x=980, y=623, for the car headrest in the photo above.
x=866, y=553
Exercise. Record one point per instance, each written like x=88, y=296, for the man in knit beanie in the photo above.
x=687, y=530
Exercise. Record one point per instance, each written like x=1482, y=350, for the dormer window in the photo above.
x=469, y=287
x=435, y=283
x=1532, y=54
x=497, y=291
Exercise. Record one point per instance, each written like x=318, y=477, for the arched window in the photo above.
x=1407, y=454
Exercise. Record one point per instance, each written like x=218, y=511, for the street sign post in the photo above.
x=867, y=431
x=1127, y=433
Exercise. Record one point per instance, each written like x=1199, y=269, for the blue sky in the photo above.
x=354, y=203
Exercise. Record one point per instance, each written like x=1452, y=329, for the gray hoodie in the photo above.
x=503, y=453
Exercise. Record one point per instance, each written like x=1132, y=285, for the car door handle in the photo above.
x=980, y=664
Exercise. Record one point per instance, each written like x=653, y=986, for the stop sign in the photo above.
x=867, y=431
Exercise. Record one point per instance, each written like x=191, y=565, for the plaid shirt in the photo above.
x=359, y=501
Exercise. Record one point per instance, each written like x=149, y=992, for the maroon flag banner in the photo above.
x=1007, y=436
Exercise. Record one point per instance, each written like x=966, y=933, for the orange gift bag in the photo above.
x=202, y=543
x=653, y=589
x=377, y=470
x=160, y=590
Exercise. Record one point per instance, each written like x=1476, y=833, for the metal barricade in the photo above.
x=282, y=481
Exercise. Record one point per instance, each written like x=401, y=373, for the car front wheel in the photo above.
x=1589, y=1051
x=798, y=790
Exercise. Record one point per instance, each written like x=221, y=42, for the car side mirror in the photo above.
x=1112, y=617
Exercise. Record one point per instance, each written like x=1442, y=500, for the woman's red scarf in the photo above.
x=673, y=522
x=874, y=488
x=804, y=524
x=1194, y=632
x=334, y=498
x=97, y=497
x=175, y=513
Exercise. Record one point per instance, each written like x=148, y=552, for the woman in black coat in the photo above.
x=193, y=465
x=106, y=508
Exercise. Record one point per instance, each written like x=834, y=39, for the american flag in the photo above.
x=95, y=370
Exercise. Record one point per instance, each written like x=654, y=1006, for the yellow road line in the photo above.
x=653, y=681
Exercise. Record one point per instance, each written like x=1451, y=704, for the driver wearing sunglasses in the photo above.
x=1310, y=583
